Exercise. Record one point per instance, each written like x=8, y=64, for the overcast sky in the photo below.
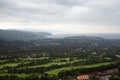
x=61, y=16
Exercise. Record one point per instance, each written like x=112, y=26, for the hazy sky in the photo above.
x=61, y=16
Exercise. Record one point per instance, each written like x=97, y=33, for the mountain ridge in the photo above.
x=12, y=35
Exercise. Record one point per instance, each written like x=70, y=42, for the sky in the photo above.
x=61, y=16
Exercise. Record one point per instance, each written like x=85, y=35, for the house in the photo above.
x=100, y=75
x=83, y=77
x=105, y=75
x=111, y=71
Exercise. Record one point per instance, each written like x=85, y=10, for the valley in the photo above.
x=53, y=59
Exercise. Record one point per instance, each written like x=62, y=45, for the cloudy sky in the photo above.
x=61, y=16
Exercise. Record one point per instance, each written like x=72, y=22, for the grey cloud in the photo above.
x=104, y=12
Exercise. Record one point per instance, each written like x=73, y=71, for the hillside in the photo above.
x=12, y=35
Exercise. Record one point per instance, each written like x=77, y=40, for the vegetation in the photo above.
x=53, y=59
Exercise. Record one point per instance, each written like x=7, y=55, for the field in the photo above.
x=47, y=63
x=56, y=71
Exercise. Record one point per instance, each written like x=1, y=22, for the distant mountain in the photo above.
x=106, y=36
x=12, y=35
x=85, y=38
x=102, y=35
x=59, y=44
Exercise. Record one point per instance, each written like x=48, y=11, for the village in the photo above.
x=97, y=75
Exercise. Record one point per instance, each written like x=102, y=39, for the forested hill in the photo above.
x=62, y=43
x=12, y=35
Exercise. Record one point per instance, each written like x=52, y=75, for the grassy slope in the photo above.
x=19, y=75
x=56, y=71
